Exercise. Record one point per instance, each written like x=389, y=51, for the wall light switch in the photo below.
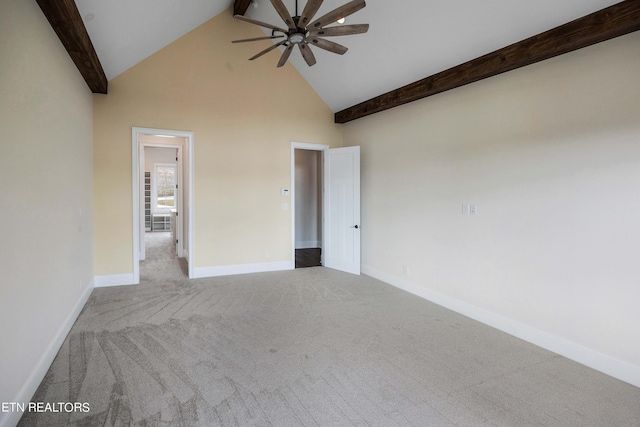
x=473, y=209
x=285, y=206
x=465, y=209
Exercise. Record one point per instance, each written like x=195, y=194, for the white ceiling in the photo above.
x=400, y=47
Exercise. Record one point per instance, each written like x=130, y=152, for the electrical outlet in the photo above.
x=405, y=270
x=473, y=209
x=266, y=254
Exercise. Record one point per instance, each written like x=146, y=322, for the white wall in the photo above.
x=158, y=155
x=153, y=155
x=46, y=255
x=550, y=154
x=308, y=199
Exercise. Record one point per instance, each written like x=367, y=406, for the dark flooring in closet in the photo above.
x=308, y=257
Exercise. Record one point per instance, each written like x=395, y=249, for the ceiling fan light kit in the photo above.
x=303, y=32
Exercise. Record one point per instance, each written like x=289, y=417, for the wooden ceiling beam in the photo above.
x=240, y=6
x=617, y=20
x=66, y=21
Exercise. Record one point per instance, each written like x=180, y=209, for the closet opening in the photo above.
x=307, y=206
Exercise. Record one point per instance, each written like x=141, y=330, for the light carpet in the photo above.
x=304, y=348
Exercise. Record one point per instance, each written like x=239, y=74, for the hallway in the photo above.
x=161, y=263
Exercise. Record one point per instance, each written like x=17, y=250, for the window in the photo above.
x=165, y=175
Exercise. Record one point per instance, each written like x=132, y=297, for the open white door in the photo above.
x=341, y=231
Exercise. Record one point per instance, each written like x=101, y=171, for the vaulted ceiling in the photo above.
x=407, y=41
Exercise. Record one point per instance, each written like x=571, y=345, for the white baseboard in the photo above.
x=601, y=362
x=308, y=244
x=228, y=270
x=114, y=280
x=44, y=363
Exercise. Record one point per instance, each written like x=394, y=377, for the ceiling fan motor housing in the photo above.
x=299, y=35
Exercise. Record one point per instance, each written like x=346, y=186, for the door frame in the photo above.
x=137, y=185
x=299, y=146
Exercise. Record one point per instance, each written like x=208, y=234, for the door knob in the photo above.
x=354, y=226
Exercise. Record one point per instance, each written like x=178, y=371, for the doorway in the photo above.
x=306, y=204
x=163, y=193
x=308, y=208
x=162, y=255
x=339, y=218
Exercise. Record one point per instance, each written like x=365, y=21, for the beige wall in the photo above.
x=46, y=255
x=550, y=154
x=244, y=115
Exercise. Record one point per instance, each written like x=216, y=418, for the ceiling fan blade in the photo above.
x=267, y=50
x=330, y=46
x=309, y=11
x=308, y=56
x=284, y=13
x=341, y=12
x=342, y=30
x=262, y=24
x=285, y=55
x=256, y=39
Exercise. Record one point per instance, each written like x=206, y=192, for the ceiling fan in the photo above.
x=304, y=32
